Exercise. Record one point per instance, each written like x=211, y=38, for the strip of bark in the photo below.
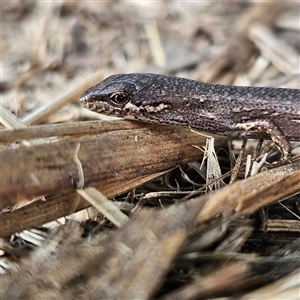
x=107, y=158
x=66, y=129
x=41, y=212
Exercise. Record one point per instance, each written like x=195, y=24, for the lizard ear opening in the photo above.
x=119, y=98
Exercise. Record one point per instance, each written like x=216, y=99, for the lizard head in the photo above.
x=130, y=95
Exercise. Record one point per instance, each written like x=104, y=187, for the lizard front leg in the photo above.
x=272, y=130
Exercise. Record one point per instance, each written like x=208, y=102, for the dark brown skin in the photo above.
x=257, y=112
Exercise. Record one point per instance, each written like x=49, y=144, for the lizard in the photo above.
x=254, y=112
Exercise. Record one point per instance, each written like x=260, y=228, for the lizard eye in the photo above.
x=120, y=98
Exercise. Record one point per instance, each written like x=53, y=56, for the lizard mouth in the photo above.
x=101, y=107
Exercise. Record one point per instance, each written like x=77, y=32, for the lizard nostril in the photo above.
x=83, y=99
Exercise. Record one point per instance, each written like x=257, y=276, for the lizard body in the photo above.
x=257, y=112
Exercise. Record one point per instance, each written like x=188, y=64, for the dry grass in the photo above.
x=211, y=243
